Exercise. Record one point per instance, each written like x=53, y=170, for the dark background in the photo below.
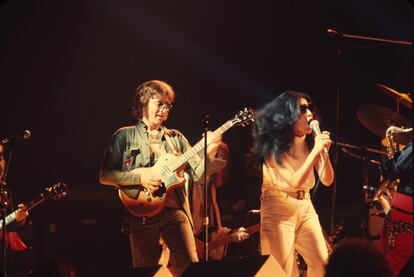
x=69, y=68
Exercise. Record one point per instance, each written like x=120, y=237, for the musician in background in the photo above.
x=398, y=225
x=289, y=155
x=13, y=239
x=216, y=228
x=139, y=147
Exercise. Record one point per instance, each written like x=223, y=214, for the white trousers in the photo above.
x=289, y=224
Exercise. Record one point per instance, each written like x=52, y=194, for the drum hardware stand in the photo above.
x=368, y=190
x=339, y=36
x=365, y=183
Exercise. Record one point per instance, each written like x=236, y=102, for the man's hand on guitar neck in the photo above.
x=219, y=238
x=241, y=234
x=21, y=213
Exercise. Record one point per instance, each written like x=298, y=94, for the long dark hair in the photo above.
x=273, y=129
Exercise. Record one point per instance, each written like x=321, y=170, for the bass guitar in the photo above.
x=54, y=191
x=170, y=168
x=215, y=243
x=216, y=249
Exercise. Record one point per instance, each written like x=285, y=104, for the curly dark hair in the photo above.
x=148, y=90
x=273, y=128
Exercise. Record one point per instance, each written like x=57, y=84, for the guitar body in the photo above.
x=149, y=204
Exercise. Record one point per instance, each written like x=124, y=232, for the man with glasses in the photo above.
x=140, y=147
x=289, y=156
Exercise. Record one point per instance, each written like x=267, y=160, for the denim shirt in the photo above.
x=129, y=149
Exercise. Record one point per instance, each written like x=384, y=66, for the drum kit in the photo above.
x=395, y=131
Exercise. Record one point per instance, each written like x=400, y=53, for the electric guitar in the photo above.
x=170, y=168
x=54, y=191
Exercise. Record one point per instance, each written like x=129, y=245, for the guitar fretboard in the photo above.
x=9, y=218
x=199, y=146
x=30, y=205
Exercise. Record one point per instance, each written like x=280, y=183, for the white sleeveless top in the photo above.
x=272, y=179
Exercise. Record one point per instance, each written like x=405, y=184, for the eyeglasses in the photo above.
x=303, y=108
x=161, y=106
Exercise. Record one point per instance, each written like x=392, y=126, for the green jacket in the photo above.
x=128, y=149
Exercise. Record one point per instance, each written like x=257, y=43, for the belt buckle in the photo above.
x=300, y=194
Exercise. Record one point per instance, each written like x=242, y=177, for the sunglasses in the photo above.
x=303, y=108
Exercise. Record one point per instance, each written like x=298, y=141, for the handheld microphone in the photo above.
x=23, y=135
x=314, y=124
x=254, y=212
x=331, y=31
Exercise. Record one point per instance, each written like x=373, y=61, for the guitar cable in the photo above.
x=325, y=158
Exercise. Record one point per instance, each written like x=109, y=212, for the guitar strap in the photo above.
x=175, y=152
x=170, y=143
x=174, y=148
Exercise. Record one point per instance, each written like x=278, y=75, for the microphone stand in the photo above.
x=205, y=122
x=358, y=147
x=339, y=77
x=4, y=203
x=352, y=36
x=3, y=207
x=339, y=81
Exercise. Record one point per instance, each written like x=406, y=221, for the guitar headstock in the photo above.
x=243, y=117
x=56, y=191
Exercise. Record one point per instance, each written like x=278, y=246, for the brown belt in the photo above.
x=299, y=194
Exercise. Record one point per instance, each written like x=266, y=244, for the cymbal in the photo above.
x=403, y=98
x=377, y=119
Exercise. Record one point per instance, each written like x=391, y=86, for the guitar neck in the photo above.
x=36, y=201
x=231, y=238
x=200, y=146
x=30, y=205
